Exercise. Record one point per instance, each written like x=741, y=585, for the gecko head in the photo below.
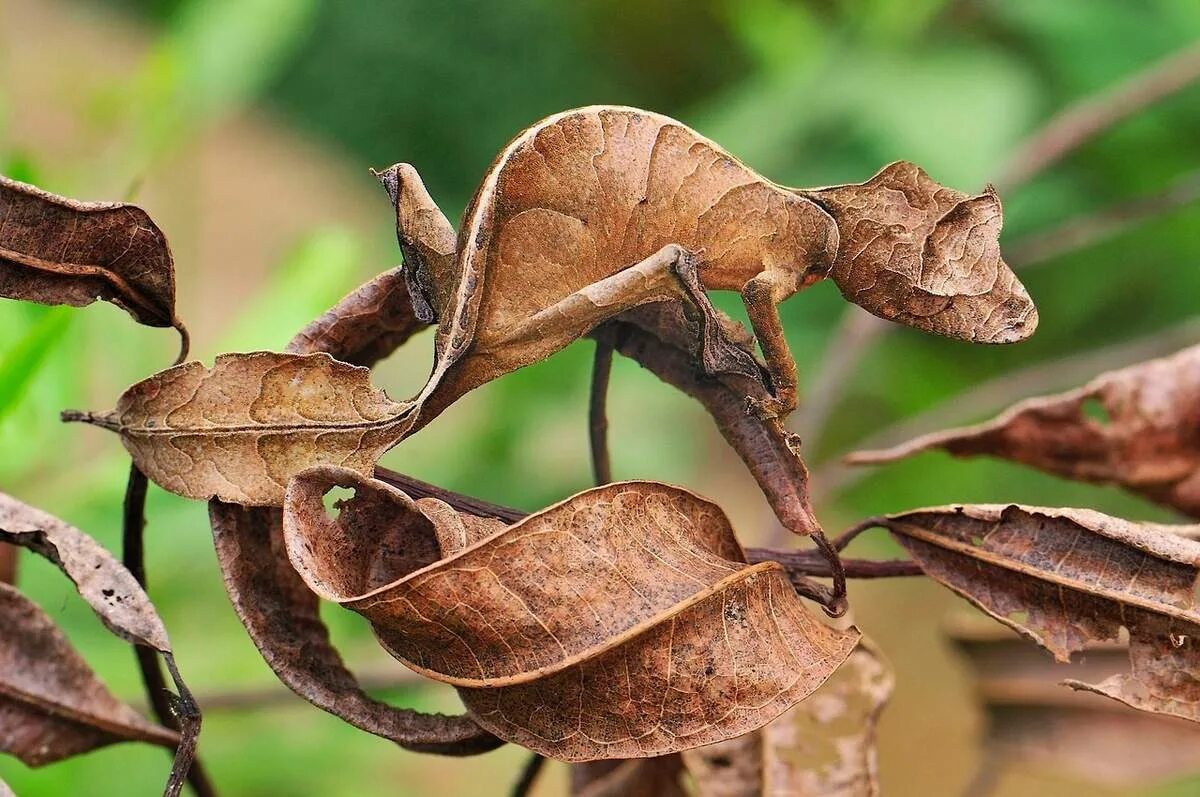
x=926, y=256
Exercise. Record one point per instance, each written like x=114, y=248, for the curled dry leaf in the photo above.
x=592, y=212
x=52, y=706
x=240, y=430
x=927, y=256
x=620, y=623
x=56, y=250
x=823, y=747
x=279, y=612
x=1138, y=427
x=1069, y=578
x=1031, y=719
x=111, y=590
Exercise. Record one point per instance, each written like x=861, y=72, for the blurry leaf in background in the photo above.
x=20, y=362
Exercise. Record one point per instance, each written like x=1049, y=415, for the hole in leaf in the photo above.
x=977, y=540
x=1020, y=617
x=334, y=499
x=1094, y=409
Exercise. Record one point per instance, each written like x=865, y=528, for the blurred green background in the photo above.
x=246, y=128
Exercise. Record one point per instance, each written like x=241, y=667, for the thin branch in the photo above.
x=1004, y=390
x=799, y=563
x=1086, y=231
x=598, y=408
x=529, y=773
x=180, y=714
x=1087, y=119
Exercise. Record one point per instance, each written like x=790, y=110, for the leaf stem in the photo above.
x=598, y=408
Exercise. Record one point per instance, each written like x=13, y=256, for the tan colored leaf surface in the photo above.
x=56, y=250
x=620, y=623
x=240, y=430
x=52, y=706
x=927, y=256
x=1069, y=578
x=1138, y=427
x=595, y=211
x=824, y=746
x=1032, y=720
x=102, y=581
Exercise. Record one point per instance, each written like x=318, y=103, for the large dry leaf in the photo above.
x=56, y=250
x=111, y=590
x=823, y=747
x=620, y=623
x=1068, y=578
x=1138, y=427
x=592, y=212
x=1032, y=720
x=52, y=706
x=240, y=430
x=927, y=256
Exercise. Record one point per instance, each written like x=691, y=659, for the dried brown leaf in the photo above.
x=561, y=630
x=240, y=430
x=1031, y=719
x=56, y=250
x=594, y=211
x=1138, y=427
x=927, y=256
x=1069, y=578
x=112, y=592
x=52, y=706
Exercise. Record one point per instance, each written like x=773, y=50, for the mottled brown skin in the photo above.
x=592, y=212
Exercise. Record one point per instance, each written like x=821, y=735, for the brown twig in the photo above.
x=1085, y=120
x=178, y=713
x=807, y=563
x=598, y=408
x=529, y=773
